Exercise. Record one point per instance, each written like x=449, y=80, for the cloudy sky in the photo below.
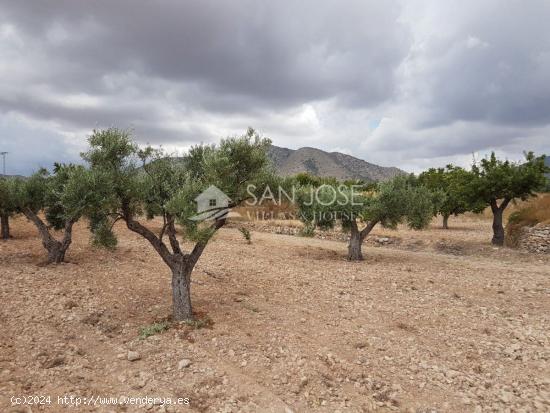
x=398, y=83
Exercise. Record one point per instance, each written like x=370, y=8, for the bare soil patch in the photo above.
x=451, y=325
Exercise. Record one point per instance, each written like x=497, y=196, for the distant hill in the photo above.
x=11, y=176
x=327, y=164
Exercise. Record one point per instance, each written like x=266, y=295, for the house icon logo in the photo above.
x=212, y=203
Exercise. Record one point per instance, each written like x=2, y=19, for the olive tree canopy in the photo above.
x=388, y=204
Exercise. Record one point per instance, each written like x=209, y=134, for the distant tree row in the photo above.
x=446, y=191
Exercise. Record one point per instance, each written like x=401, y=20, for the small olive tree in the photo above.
x=64, y=197
x=496, y=183
x=8, y=204
x=146, y=183
x=388, y=204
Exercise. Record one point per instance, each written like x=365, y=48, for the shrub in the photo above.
x=246, y=235
x=152, y=329
x=308, y=230
x=198, y=323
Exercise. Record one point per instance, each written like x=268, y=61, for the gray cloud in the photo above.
x=490, y=64
x=393, y=82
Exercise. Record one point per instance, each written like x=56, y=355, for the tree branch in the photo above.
x=201, y=245
x=366, y=231
x=150, y=236
x=115, y=221
x=164, y=225
x=40, y=225
x=171, y=231
x=504, y=204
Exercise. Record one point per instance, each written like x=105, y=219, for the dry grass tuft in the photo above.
x=535, y=211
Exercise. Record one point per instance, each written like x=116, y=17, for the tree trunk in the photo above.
x=354, y=246
x=181, y=264
x=5, y=220
x=445, y=221
x=356, y=239
x=181, y=294
x=56, y=252
x=56, y=249
x=498, y=229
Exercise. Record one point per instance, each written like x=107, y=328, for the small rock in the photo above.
x=184, y=364
x=505, y=396
x=133, y=356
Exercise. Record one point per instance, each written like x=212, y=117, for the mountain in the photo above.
x=327, y=164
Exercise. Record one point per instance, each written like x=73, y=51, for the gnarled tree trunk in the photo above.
x=356, y=240
x=182, y=269
x=180, y=263
x=5, y=223
x=445, y=221
x=181, y=288
x=56, y=249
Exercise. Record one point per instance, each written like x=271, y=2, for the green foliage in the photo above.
x=114, y=158
x=236, y=162
x=495, y=179
x=152, y=329
x=307, y=231
x=391, y=203
x=304, y=179
x=67, y=194
x=421, y=205
x=33, y=191
x=164, y=188
x=197, y=324
x=450, y=188
x=9, y=193
x=102, y=233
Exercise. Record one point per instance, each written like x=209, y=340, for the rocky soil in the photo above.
x=446, y=323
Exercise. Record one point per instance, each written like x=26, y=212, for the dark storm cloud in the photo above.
x=444, y=78
x=493, y=65
x=275, y=54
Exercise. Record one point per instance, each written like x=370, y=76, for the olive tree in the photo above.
x=450, y=184
x=389, y=204
x=497, y=182
x=146, y=183
x=8, y=204
x=63, y=197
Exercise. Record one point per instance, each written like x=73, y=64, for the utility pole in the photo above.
x=4, y=161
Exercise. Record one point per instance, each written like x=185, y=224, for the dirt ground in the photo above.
x=435, y=321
